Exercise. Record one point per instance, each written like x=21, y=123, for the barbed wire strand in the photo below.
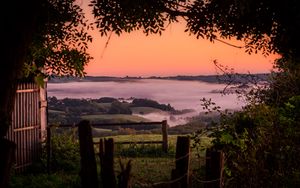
x=205, y=181
x=172, y=162
x=143, y=183
x=200, y=158
x=182, y=157
x=161, y=182
x=172, y=181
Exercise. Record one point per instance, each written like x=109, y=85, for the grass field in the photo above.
x=56, y=112
x=103, y=105
x=116, y=118
x=149, y=164
x=145, y=110
x=142, y=137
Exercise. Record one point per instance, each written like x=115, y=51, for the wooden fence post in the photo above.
x=7, y=159
x=182, y=162
x=164, y=129
x=88, y=172
x=106, y=155
x=48, y=147
x=124, y=177
x=214, y=168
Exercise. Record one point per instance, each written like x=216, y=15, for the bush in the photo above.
x=261, y=145
x=144, y=150
x=64, y=151
x=65, y=164
x=45, y=180
x=261, y=142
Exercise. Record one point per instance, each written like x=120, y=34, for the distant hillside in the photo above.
x=104, y=110
x=88, y=79
x=234, y=78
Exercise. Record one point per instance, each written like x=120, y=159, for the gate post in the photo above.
x=88, y=172
x=164, y=128
x=182, y=162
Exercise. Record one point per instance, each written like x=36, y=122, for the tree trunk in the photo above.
x=8, y=155
x=17, y=30
x=18, y=23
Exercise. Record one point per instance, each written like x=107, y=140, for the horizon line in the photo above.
x=141, y=76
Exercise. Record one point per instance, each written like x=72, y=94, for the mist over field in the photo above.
x=179, y=94
x=173, y=120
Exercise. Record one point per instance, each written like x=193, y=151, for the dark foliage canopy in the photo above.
x=264, y=25
x=61, y=40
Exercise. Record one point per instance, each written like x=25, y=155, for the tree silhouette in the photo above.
x=39, y=38
x=264, y=25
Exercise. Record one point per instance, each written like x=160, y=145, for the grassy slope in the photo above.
x=114, y=118
x=103, y=105
x=56, y=111
x=145, y=110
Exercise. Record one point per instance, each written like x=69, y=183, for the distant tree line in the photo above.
x=74, y=106
x=151, y=103
x=69, y=110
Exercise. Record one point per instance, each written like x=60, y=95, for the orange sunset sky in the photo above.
x=172, y=53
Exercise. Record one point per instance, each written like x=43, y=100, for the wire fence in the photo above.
x=196, y=174
x=147, y=184
x=182, y=174
x=192, y=175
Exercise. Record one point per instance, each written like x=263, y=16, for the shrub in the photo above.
x=64, y=151
x=261, y=145
x=144, y=150
x=45, y=180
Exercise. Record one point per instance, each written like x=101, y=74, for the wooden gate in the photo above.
x=28, y=123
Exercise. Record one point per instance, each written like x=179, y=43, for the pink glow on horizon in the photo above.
x=173, y=53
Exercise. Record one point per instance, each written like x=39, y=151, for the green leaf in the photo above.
x=226, y=138
x=39, y=79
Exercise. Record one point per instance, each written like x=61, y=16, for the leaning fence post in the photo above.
x=164, y=129
x=88, y=172
x=124, y=177
x=214, y=168
x=106, y=155
x=182, y=162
